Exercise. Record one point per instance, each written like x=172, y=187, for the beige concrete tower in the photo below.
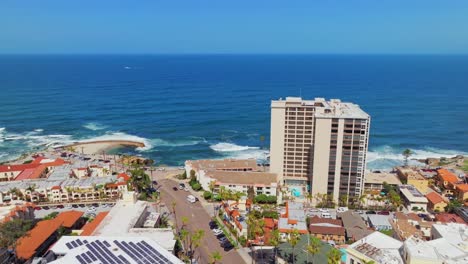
x=319, y=146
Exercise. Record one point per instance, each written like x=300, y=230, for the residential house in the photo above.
x=293, y=219
x=461, y=192
x=19, y=210
x=448, y=245
x=413, y=199
x=435, y=202
x=447, y=181
x=405, y=227
x=327, y=229
x=354, y=225
x=448, y=218
x=373, y=181
x=412, y=176
x=379, y=222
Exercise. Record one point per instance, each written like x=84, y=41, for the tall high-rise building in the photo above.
x=319, y=146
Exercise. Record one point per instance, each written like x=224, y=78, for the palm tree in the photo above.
x=343, y=200
x=333, y=256
x=173, y=206
x=211, y=186
x=361, y=200
x=293, y=239
x=309, y=197
x=215, y=257
x=274, y=241
x=196, y=240
x=406, y=154
x=314, y=246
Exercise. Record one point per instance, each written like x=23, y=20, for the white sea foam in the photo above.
x=386, y=157
x=94, y=126
x=239, y=152
x=39, y=130
x=177, y=143
x=230, y=147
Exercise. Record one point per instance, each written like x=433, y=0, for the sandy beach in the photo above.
x=97, y=147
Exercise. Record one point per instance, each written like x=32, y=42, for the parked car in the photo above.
x=45, y=207
x=69, y=206
x=60, y=206
x=82, y=205
x=217, y=231
x=222, y=239
x=383, y=213
x=324, y=210
x=95, y=204
x=174, y=188
x=228, y=247
x=181, y=186
x=422, y=215
x=75, y=206
x=342, y=209
x=220, y=236
x=37, y=208
x=371, y=212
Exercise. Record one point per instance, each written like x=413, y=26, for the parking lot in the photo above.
x=86, y=208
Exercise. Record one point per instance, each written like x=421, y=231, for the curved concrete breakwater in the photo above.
x=99, y=146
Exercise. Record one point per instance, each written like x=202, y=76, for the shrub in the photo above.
x=243, y=241
x=196, y=187
x=207, y=195
x=270, y=214
x=263, y=198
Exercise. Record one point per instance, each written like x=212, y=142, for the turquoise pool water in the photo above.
x=343, y=255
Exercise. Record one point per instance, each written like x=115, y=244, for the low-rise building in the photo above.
x=354, y=225
x=379, y=222
x=435, y=202
x=448, y=245
x=128, y=217
x=405, y=227
x=461, y=192
x=448, y=218
x=293, y=219
x=462, y=212
x=121, y=249
x=19, y=210
x=413, y=198
x=234, y=175
x=376, y=247
x=328, y=230
x=45, y=233
x=447, y=181
x=373, y=181
x=412, y=176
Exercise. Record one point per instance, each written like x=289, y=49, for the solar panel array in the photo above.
x=102, y=252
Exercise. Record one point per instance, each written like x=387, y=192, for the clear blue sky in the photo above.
x=240, y=26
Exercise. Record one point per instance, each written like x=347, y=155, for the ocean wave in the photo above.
x=230, y=147
x=177, y=143
x=33, y=139
x=94, y=126
x=386, y=157
x=38, y=130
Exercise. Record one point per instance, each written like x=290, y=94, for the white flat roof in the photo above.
x=111, y=250
x=121, y=221
x=412, y=194
x=437, y=249
x=379, y=247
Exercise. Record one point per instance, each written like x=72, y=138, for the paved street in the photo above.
x=198, y=219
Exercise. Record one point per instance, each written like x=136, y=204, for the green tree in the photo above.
x=314, y=246
x=193, y=175
x=293, y=239
x=452, y=205
x=333, y=256
x=139, y=179
x=212, y=186
x=406, y=154
x=344, y=200
x=274, y=241
x=12, y=230
x=215, y=257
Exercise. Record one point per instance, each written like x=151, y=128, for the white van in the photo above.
x=325, y=215
x=191, y=199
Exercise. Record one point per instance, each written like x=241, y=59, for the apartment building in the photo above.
x=319, y=146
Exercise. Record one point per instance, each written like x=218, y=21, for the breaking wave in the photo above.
x=94, y=126
x=230, y=147
x=122, y=136
x=234, y=151
x=177, y=143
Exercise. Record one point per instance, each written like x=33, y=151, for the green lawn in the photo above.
x=465, y=165
x=387, y=232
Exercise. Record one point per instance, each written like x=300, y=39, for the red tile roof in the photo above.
x=69, y=218
x=89, y=228
x=124, y=176
x=56, y=187
x=434, y=198
x=327, y=230
x=447, y=176
x=462, y=187
x=449, y=218
x=27, y=245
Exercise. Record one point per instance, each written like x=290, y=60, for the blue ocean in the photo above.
x=213, y=106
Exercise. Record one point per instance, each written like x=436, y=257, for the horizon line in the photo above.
x=232, y=54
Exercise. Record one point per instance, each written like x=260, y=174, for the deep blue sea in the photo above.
x=212, y=106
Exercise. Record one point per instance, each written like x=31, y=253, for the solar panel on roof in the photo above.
x=86, y=258
x=68, y=245
x=154, y=251
x=91, y=256
x=123, y=259
x=74, y=244
x=80, y=260
x=79, y=242
x=106, y=243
